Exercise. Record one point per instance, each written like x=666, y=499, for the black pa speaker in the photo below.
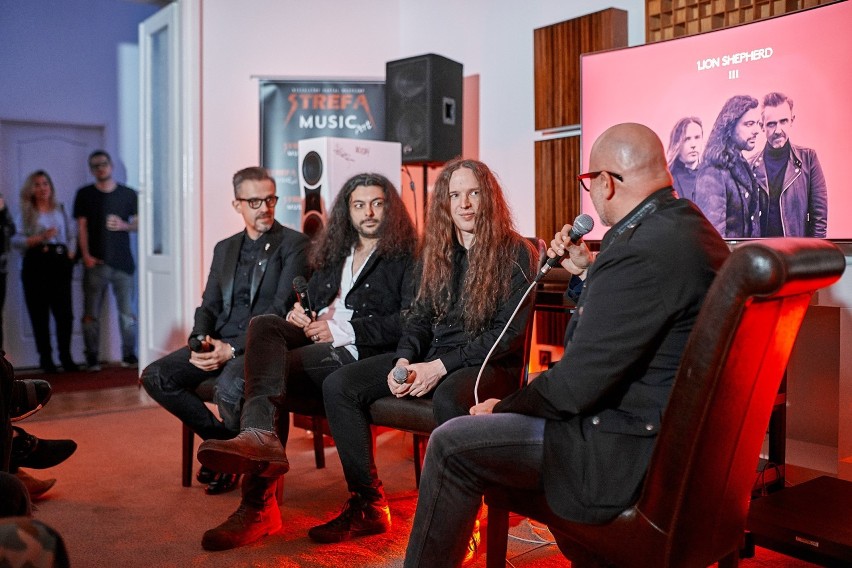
x=424, y=107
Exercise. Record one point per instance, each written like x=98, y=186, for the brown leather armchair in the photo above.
x=695, y=497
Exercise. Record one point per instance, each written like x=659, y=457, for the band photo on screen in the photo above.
x=752, y=117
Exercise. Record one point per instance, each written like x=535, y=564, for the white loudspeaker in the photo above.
x=326, y=163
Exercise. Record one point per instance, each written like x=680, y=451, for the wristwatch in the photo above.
x=233, y=352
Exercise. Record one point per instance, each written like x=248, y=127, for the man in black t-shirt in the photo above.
x=106, y=215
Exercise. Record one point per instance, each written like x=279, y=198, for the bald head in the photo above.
x=636, y=153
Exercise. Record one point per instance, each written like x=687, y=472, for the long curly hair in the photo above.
x=29, y=211
x=678, y=136
x=491, y=257
x=397, y=235
x=720, y=150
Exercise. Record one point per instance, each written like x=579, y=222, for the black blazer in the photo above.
x=271, y=284
x=605, y=398
x=383, y=288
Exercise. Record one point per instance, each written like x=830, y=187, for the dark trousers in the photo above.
x=46, y=276
x=7, y=380
x=279, y=361
x=172, y=381
x=349, y=392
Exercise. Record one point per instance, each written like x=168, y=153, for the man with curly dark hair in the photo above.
x=726, y=190
x=361, y=263
x=475, y=270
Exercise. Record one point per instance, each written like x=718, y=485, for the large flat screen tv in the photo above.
x=774, y=99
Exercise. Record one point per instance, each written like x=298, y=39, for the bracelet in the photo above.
x=233, y=352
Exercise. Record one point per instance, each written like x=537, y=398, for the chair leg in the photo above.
x=279, y=489
x=319, y=450
x=187, y=451
x=420, y=442
x=497, y=535
x=731, y=560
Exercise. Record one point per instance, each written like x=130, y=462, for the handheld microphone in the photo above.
x=400, y=375
x=582, y=225
x=300, y=286
x=198, y=344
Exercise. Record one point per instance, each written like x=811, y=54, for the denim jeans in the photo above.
x=349, y=392
x=172, y=381
x=464, y=457
x=95, y=283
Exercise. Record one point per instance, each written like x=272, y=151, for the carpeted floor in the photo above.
x=118, y=501
x=111, y=375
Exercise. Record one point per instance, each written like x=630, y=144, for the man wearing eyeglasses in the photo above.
x=106, y=215
x=361, y=264
x=793, y=195
x=582, y=433
x=251, y=274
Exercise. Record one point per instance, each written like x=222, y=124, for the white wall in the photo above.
x=325, y=38
x=268, y=38
x=494, y=39
x=74, y=62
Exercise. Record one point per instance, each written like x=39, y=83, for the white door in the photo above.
x=168, y=229
x=62, y=151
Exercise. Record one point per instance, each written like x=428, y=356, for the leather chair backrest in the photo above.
x=699, y=481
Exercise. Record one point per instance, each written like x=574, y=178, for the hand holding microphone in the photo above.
x=300, y=286
x=199, y=344
x=582, y=225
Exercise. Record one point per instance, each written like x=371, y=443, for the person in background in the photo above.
x=725, y=189
x=582, y=433
x=106, y=215
x=7, y=229
x=47, y=240
x=793, y=196
x=475, y=270
x=684, y=154
x=251, y=274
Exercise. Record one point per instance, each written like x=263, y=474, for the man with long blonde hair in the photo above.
x=475, y=269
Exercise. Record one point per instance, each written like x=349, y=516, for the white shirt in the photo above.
x=337, y=314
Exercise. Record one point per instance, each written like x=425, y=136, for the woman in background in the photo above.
x=684, y=154
x=48, y=241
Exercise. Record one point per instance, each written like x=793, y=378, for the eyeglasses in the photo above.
x=98, y=165
x=254, y=202
x=592, y=175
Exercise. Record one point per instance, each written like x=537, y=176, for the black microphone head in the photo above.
x=300, y=285
x=582, y=225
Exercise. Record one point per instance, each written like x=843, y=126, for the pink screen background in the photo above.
x=657, y=84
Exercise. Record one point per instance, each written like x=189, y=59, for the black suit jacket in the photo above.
x=605, y=398
x=271, y=283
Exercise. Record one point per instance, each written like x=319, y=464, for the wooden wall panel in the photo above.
x=667, y=19
x=557, y=49
x=557, y=194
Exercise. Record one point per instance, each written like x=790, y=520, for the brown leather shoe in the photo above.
x=244, y=526
x=35, y=487
x=254, y=451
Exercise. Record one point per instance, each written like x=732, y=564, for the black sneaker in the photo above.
x=36, y=453
x=28, y=397
x=359, y=517
x=92, y=363
x=130, y=361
